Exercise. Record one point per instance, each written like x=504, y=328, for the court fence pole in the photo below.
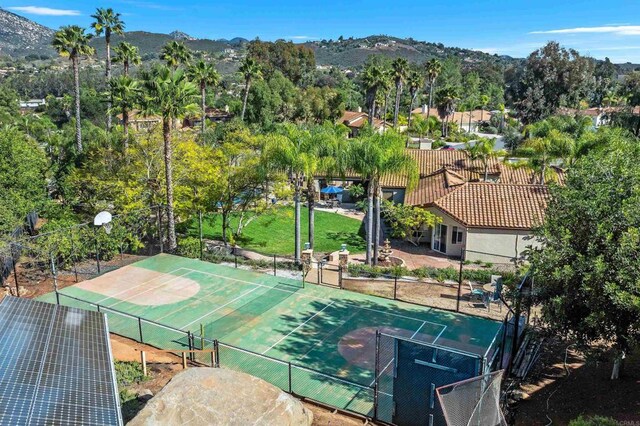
x=160, y=228
x=318, y=271
x=462, y=256
x=200, y=231
x=190, y=343
x=290, y=384
x=340, y=277
x=376, y=376
x=73, y=257
x=15, y=274
x=140, y=329
x=274, y=265
x=53, y=273
x=216, y=350
x=395, y=288
x=235, y=259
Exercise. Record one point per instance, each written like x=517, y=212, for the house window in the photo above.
x=456, y=235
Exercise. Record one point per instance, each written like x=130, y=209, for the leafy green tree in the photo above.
x=295, y=61
x=204, y=75
x=630, y=90
x=586, y=269
x=373, y=155
x=23, y=168
x=553, y=77
x=250, y=70
x=407, y=221
x=108, y=22
x=605, y=75
x=127, y=54
x=400, y=68
x=171, y=95
x=126, y=94
x=72, y=42
x=175, y=53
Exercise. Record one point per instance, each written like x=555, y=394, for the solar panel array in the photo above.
x=55, y=366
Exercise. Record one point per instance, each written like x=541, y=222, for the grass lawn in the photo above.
x=272, y=232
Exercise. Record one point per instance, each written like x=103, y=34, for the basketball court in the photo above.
x=326, y=330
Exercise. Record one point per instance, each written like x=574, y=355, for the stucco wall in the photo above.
x=503, y=244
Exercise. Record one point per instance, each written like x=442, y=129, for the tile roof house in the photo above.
x=461, y=118
x=356, y=120
x=493, y=220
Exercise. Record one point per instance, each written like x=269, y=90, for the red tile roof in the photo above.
x=495, y=205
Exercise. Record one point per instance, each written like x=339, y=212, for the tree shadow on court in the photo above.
x=340, y=340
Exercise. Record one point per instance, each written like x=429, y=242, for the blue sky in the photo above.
x=515, y=28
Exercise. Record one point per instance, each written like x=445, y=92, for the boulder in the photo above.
x=217, y=396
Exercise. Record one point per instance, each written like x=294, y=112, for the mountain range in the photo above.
x=21, y=37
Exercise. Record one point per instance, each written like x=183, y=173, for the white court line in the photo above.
x=219, y=307
x=419, y=328
x=317, y=298
x=162, y=284
x=383, y=370
x=292, y=331
x=197, y=301
x=439, y=334
x=136, y=286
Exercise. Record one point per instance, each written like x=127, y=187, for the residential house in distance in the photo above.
x=356, y=120
x=213, y=115
x=461, y=118
x=138, y=121
x=599, y=116
x=31, y=105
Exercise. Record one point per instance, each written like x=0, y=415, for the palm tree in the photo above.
x=386, y=85
x=170, y=94
x=290, y=150
x=72, y=42
x=434, y=68
x=542, y=151
x=128, y=54
x=447, y=99
x=107, y=22
x=250, y=70
x=400, y=68
x=204, y=74
x=175, y=53
x=373, y=79
x=372, y=156
x=483, y=149
x=414, y=81
x=126, y=94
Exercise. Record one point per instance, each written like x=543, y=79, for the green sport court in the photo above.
x=328, y=332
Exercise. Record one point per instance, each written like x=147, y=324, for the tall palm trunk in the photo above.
x=433, y=84
x=311, y=201
x=125, y=123
x=203, y=99
x=76, y=81
x=369, y=222
x=384, y=113
x=168, y=167
x=397, y=106
x=246, y=96
x=296, y=201
x=107, y=38
x=376, y=231
x=413, y=99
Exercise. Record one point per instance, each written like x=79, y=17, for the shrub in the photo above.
x=189, y=247
x=593, y=421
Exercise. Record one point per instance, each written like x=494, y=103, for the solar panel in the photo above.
x=55, y=366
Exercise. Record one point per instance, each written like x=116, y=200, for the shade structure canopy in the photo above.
x=332, y=190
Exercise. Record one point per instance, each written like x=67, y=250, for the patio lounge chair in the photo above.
x=476, y=292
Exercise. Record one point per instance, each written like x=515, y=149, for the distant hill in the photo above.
x=151, y=43
x=20, y=36
x=353, y=52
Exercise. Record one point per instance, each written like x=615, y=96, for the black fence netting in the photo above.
x=408, y=373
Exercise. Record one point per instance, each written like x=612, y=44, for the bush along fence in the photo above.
x=296, y=379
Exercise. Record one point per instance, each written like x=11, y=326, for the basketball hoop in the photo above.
x=107, y=227
x=104, y=219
